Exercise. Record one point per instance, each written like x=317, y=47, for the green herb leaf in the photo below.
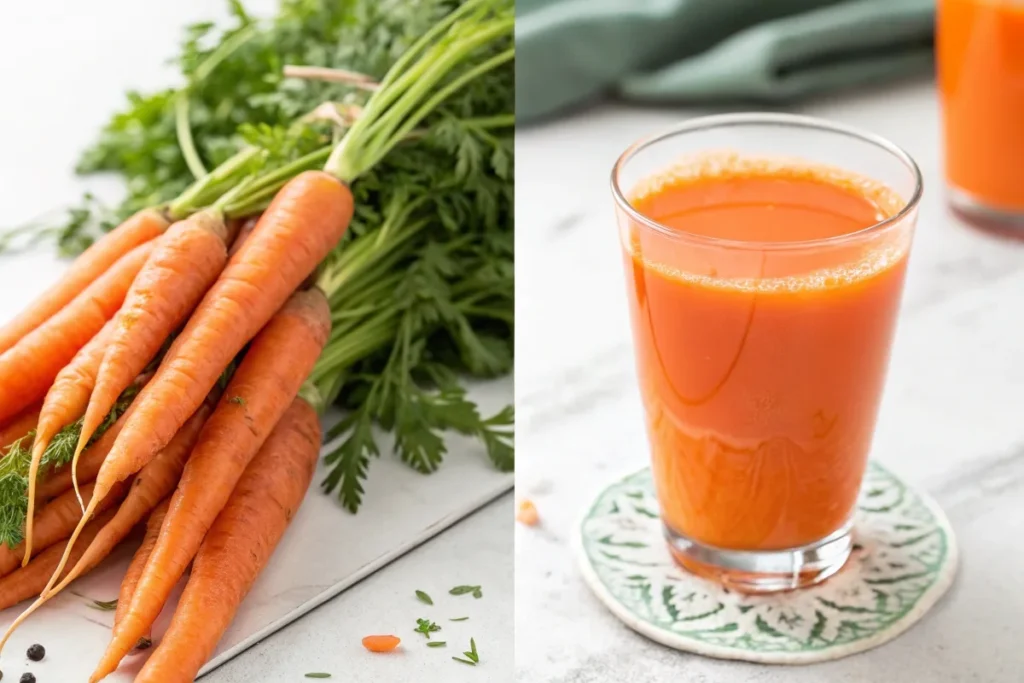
x=472, y=653
x=436, y=643
x=426, y=627
x=318, y=675
x=237, y=400
x=459, y=619
x=463, y=590
x=423, y=597
x=464, y=661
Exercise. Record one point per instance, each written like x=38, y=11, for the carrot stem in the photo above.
x=183, y=129
x=212, y=185
x=403, y=99
x=182, y=104
x=320, y=73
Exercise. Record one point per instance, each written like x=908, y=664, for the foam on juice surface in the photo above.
x=881, y=251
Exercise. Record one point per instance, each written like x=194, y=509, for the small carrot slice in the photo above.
x=381, y=643
x=185, y=261
x=29, y=367
x=527, y=513
x=96, y=260
x=28, y=581
x=263, y=386
x=237, y=547
x=64, y=403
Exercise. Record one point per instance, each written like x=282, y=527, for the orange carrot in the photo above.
x=237, y=548
x=19, y=426
x=183, y=265
x=381, y=643
x=304, y=221
x=28, y=369
x=154, y=483
x=270, y=375
x=139, y=229
x=64, y=403
x=131, y=577
x=243, y=230
x=54, y=523
x=28, y=581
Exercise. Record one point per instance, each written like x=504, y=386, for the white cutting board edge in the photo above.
x=402, y=509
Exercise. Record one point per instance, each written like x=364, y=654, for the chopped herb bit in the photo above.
x=463, y=590
x=436, y=643
x=472, y=654
x=459, y=619
x=318, y=675
x=426, y=627
x=464, y=661
x=102, y=605
x=238, y=400
x=424, y=597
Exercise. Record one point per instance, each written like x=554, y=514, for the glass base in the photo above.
x=764, y=571
x=976, y=211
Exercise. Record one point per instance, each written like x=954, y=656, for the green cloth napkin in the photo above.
x=572, y=51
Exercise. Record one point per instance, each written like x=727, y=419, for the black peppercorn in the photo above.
x=28, y=678
x=36, y=652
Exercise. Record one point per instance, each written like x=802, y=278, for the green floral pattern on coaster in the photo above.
x=904, y=560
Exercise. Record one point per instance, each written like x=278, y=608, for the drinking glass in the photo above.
x=761, y=363
x=979, y=47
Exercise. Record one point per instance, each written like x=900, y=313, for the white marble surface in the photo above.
x=951, y=417
x=65, y=66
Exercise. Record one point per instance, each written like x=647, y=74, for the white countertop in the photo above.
x=65, y=67
x=952, y=418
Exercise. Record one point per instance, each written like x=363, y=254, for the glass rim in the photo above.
x=702, y=123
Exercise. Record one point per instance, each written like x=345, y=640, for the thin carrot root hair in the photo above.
x=90, y=510
x=24, y=580
x=64, y=402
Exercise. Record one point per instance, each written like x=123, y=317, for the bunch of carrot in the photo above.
x=193, y=457
x=203, y=336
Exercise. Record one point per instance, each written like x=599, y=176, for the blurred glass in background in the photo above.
x=980, y=50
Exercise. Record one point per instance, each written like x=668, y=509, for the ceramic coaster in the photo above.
x=904, y=560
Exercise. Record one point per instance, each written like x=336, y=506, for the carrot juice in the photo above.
x=980, y=56
x=764, y=294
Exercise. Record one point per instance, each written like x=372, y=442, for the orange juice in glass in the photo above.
x=980, y=59
x=765, y=256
